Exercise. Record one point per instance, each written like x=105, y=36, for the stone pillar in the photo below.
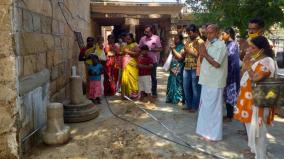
x=76, y=90
x=132, y=22
x=56, y=132
x=78, y=108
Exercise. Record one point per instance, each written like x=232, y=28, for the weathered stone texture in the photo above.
x=43, y=41
x=27, y=21
x=30, y=65
x=8, y=93
x=5, y=47
x=5, y=18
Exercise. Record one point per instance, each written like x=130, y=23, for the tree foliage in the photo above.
x=237, y=13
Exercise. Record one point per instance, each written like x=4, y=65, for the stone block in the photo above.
x=26, y=115
x=31, y=43
x=37, y=6
x=62, y=68
x=52, y=87
x=67, y=30
x=57, y=12
x=8, y=92
x=27, y=21
x=36, y=22
x=9, y=146
x=55, y=27
x=59, y=96
x=48, y=42
x=6, y=119
x=29, y=83
x=19, y=18
x=29, y=65
x=54, y=73
x=5, y=17
x=64, y=42
x=61, y=26
x=20, y=66
x=5, y=2
x=58, y=57
x=46, y=25
x=46, y=8
x=60, y=82
x=8, y=69
x=57, y=42
x=41, y=61
x=50, y=59
x=5, y=44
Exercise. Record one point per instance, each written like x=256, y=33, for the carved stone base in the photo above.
x=79, y=112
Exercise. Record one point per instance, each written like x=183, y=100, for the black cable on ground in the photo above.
x=187, y=145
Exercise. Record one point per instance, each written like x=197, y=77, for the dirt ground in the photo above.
x=112, y=138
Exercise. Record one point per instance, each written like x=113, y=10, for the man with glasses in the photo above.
x=154, y=44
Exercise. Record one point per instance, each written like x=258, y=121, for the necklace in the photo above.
x=256, y=56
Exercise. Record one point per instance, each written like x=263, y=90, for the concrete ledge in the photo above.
x=34, y=81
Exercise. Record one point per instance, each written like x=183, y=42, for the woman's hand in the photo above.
x=172, y=46
x=247, y=61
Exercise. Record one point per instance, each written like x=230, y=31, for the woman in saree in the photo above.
x=129, y=81
x=258, y=65
x=111, y=71
x=231, y=90
x=175, y=83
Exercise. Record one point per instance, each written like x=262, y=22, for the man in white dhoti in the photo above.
x=213, y=75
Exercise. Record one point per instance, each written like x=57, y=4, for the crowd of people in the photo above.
x=213, y=69
x=208, y=69
x=126, y=67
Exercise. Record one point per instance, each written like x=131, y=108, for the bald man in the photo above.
x=213, y=75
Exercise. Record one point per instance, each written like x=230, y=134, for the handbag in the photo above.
x=269, y=92
x=167, y=64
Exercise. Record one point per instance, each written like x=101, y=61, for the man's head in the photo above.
x=202, y=31
x=192, y=31
x=148, y=31
x=255, y=27
x=90, y=42
x=212, y=31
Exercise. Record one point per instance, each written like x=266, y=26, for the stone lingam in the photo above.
x=78, y=108
x=56, y=132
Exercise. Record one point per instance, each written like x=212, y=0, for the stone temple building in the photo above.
x=38, y=49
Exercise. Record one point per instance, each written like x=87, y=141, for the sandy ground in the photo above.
x=112, y=138
x=107, y=137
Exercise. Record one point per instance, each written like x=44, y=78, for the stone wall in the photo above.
x=37, y=51
x=8, y=93
x=46, y=41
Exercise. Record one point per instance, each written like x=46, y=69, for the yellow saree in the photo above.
x=129, y=81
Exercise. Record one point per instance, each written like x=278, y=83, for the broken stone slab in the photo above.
x=34, y=81
x=56, y=132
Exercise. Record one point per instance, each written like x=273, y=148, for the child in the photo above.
x=95, y=71
x=145, y=64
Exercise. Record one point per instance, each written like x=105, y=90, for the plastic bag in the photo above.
x=167, y=64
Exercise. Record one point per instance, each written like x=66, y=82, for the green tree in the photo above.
x=237, y=13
